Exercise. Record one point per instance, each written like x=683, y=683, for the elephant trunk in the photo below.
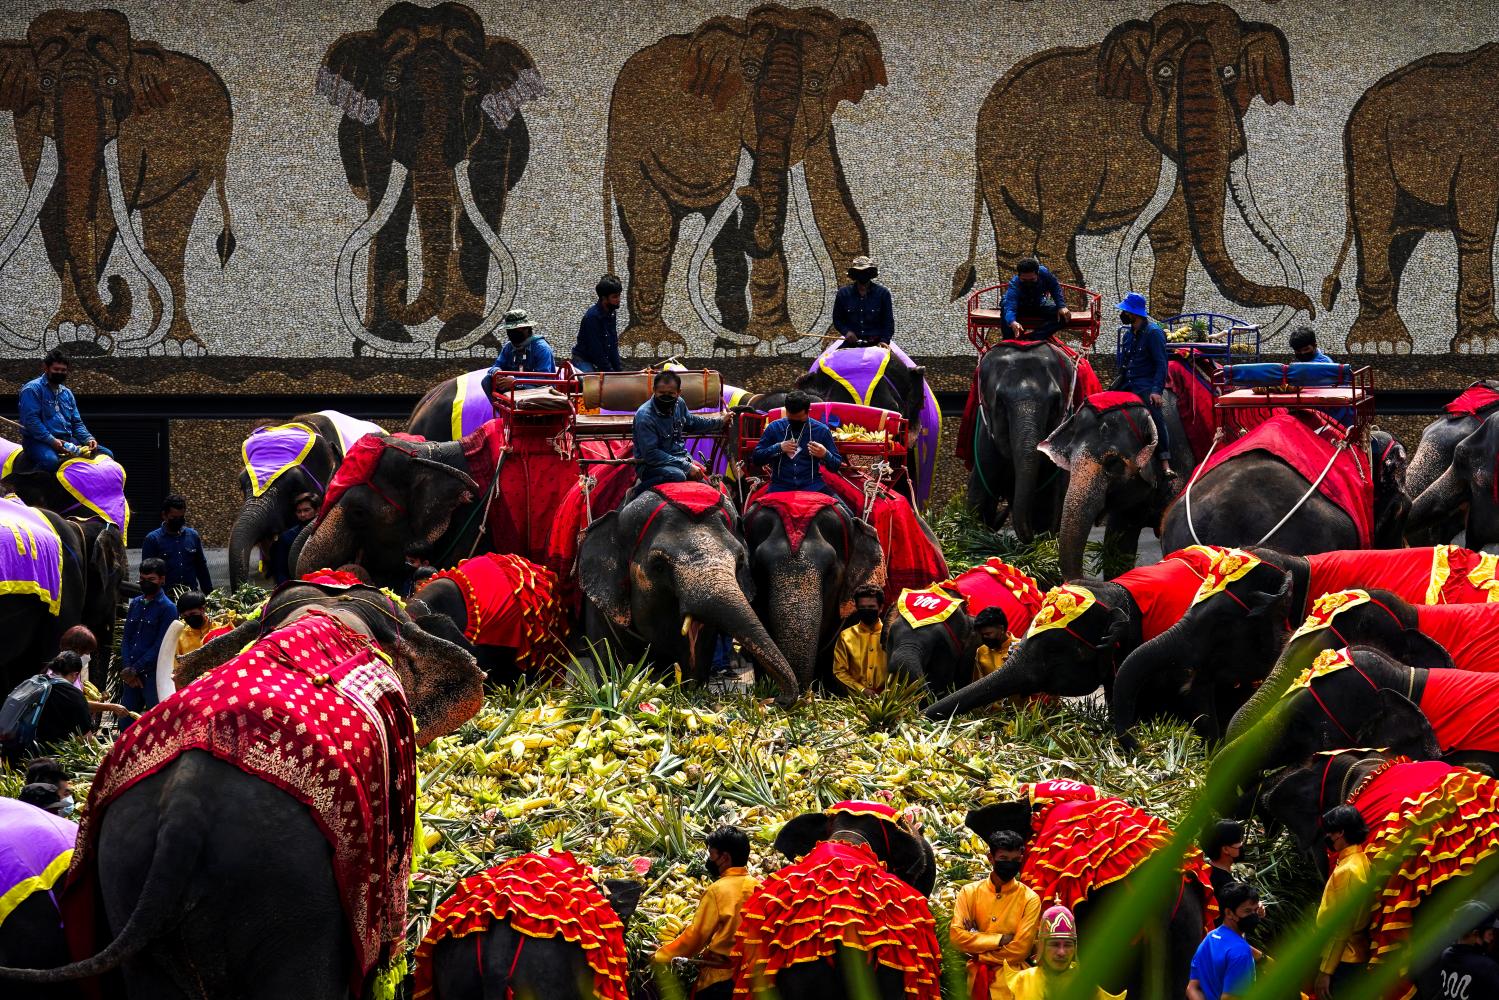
x=1025, y=436
x=777, y=98
x=435, y=194
x=1208, y=128
x=796, y=599
x=257, y=524
x=1150, y=662
x=714, y=596
x=80, y=145
x=1019, y=676
x=1086, y=492
x=329, y=545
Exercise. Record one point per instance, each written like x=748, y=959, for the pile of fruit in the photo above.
x=853, y=433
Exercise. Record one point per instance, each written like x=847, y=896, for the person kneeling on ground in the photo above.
x=796, y=447
x=710, y=936
x=992, y=630
x=859, y=660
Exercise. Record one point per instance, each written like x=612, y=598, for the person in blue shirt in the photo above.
x=662, y=426
x=1142, y=368
x=1223, y=967
x=52, y=430
x=179, y=547
x=146, y=623
x=1303, y=341
x=527, y=351
x=1033, y=293
x=597, y=349
x=863, y=311
x=795, y=448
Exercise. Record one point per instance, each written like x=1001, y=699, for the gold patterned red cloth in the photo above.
x=316, y=710
x=1164, y=590
x=796, y=509
x=540, y=896
x=840, y=894
x=1084, y=843
x=1441, y=574
x=996, y=584
x=511, y=602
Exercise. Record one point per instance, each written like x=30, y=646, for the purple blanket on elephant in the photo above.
x=30, y=554
x=35, y=850
x=859, y=370
x=472, y=408
x=269, y=452
x=9, y=452
x=350, y=429
x=98, y=484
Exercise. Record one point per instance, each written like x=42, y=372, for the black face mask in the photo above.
x=174, y=524
x=1126, y=319
x=867, y=616
x=1327, y=842
x=610, y=307
x=150, y=588
x=796, y=424
x=666, y=405
x=57, y=378
x=712, y=867
x=518, y=337
x=195, y=619
x=1006, y=870
x=995, y=643
x=1248, y=924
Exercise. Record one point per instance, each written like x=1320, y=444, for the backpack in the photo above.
x=23, y=709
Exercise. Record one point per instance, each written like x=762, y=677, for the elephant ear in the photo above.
x=863, y=558
x=1262, y=602
x=1060, y=444
x=860, y=66
x=1121, y=62
x=149, y=87
x=801, y=834
x=1264, y=66
x=711, y=69
x=1425, y=653
x=18, y=90
x=624, y=896
x=604, y=569
x=1400, y=727
x=989, y=820
x=513, y=80
x=350, y=73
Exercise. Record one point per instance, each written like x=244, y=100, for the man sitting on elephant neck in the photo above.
x=662, y=426
x=1034, y=294
x=597, y=349
x=860, y=662
x=796, y=447
x=863, y=312
x=527, y=351
x=1142, y=368
x=52, y=430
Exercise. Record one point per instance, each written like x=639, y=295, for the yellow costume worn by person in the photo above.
x=711, y=933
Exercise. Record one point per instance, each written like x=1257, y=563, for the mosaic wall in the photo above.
x=340, y=179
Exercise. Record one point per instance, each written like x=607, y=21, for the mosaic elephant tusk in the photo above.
x=46, y=176
x=133, y=249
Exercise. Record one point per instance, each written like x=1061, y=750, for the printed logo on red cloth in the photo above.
x=1059, y=789
x=926, y=607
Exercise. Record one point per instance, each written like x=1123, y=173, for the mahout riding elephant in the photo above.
x=431, y=121
x=734, y=122
x=856, y=858
x=37, y=846
x=278, y=789
x=108, y=125
x=1468, y=483
x=668, y=572
x=1024, y=395
x=570, y=936
x=1256, y=498
x=1085, y=628
x=806, y=565
x=1398, y=191
x=92, y=571
x=1193, y=71
x=282, y=462
x=1082, y=850
x=85, y=487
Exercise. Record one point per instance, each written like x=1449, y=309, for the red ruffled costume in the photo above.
x=511, y=602
x=997, y=584
x=314, y=709
x=1084, y=385
x=839, y=894
x=1164, y=591
x=540, y=896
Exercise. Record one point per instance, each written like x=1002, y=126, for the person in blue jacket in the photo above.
x=1142, y=367
x=526, y=351
x=795, y=448
x=597, y=349
x=146, y=623
x=1033, y=293
x=662, y=426
x=52, y=430
x=180, y=547
x=863, y=311
x=1303, y=341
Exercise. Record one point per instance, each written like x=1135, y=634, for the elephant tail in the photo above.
x=608, y=193
x=1332, y=284
x=226, y=242
x=966, y=275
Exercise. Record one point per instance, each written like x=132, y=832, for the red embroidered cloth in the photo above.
x=1470, y=632
x=332, y=578
x=997, y=584
x=1463, y=708
x=1194, y=404
x=796, y=509
x=1443, y=574
x=1165, y=590
x=839, y=894
x=1112, y=400
x=612, y=482
x=314, y=709
x=540, y=896
x=912, y=558
x=357, y=468
x=1453, y=815
x=1294, y=439
x=695, y=498
x=1083, y=844
x=1086, y=384
x=1476, y=399
x=511, y=602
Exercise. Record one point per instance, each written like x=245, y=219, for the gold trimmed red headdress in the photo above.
x=858, y=807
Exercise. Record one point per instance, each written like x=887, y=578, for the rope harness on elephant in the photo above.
x=1336, y=451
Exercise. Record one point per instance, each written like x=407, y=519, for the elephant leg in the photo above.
x=1014, y=238
x=1476, y=216
x=1171, y=246
x=731, y=277
x=1062, y=216
x=651, y=229
x=1378, y=329
x=770, y=317
x=388, y=266
x=165, y=228
x=838, y=221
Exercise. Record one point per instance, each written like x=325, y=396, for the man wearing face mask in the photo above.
x=52, y=430
x=994, y=922
x=859, y=660
x=1223, y=967
x=147, y=621
x=597, y=349
x=1142, y=368
x=525, y=351
x=863, y=311
x=795, y=448
x=710, y=936
x=662, y=426
x=1347, y=953
x=1033, y=294
x=992, y=630
x=180, y=547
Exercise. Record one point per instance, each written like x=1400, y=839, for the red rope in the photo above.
x=520, y=942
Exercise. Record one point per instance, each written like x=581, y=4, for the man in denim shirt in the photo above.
x=796, y=447
x=1142, y=367
x=1034, y=293
x=662, y=425
x=146, y=624
x=180, y=547
x=51, y=428
x=863, y=311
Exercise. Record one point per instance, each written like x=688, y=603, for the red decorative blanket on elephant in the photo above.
x=1194, y=404
x=1309, y=442
x=997, y=584
x=1477, y=399
x=1441, y=574
x=1085, y=383
x=913, y=559
x=1440, y=820
x=1165, y=590
x=1463, y=708
x=358, y=467
x=540, y=896
x=796, y=509
x=611, y=483
x=1469, y=632
x=511, y=602
x=314, y=709
x=839, y=894
x=1084, y=842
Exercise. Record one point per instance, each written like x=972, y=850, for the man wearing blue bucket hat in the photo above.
x=1142, y=367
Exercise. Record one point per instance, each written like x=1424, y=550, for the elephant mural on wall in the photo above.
x=431, y=122
x=1418, y=159
x=734, y=122
x=1160, y=100
x=108, y=125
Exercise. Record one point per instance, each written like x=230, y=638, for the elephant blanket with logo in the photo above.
x=911, y=558
x=1085, y=383
x=30, y=554
x=512, y=602
x=1475, y=401
x=840, y=894
x=314, y=709
x=540, y=896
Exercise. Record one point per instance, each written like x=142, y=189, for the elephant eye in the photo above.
x=1164, y=71
x=111, y=79
x=1229, y=73
x=814, y=84
x=471, y=79
x=751, y=69
x=392, y=80
x=46, y=81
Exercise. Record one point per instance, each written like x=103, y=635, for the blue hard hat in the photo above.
x=1134, y=304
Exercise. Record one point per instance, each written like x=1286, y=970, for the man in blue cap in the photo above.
x=1142, y=367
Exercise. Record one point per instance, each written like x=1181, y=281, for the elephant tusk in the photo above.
x=343, y=280
x=41, y=186
x=133, y=249
x=502, y=256
x=686, y=624
x=1242, y=192
x=711, y=229
x=1124, y=281
x=806, y=216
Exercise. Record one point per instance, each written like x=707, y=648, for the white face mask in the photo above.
x=78, y=682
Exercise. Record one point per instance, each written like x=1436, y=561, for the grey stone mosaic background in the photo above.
x=907, y=150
